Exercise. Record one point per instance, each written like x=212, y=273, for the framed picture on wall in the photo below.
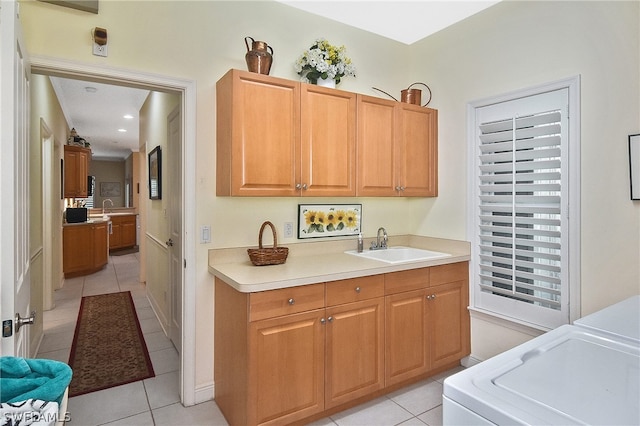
x=155, y=173
x=110, y=189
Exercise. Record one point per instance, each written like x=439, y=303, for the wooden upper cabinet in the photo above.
x=378, y=130
x=258, y=135
x=278, y=137
x=328, y=142
x=418, y=151
x=397, y=149
x=76, y=170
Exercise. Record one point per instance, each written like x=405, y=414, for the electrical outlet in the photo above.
x=100, y=50
x=288, y=229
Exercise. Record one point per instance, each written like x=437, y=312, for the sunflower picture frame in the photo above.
x=329, y=220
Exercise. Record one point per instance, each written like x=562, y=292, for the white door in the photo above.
x=174, y=142
x=14, y=183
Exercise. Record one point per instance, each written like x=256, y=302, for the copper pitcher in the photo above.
x=409, y=95
x=259, y=57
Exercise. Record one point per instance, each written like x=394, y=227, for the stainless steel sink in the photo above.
x=399, y=254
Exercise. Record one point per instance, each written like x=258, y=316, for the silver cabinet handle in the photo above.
x=304, y=186
x=322, y=321
x=358, y=289
x=298, y=186
x=330, y=319
x=428, y=297
x=291, y=301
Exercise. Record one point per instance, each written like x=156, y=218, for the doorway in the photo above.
x=186, y=90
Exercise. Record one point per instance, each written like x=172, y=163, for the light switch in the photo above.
x=205, y=234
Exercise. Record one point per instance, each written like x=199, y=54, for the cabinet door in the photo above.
x=76, y=169
x=258, y=135
x=448, y=323
x=327, y=142
x=71, y=173
x=286, y=368
x=128, y=232
x=100, y=245
x=418, y=151
x=377, y=153
x=83, y=171
x=407, y=339
x=115, y=237
x=355, y=350
x=77, y=253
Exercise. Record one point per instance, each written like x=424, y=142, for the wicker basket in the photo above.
x=268, y=256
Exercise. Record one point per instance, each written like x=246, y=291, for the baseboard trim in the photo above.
x=204, y=393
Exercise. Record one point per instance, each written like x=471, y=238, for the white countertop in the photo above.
x=315, y=262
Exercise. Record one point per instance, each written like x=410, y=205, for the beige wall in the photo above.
x=46, y=109
x=153, y=132
x=108, y=171
x=479, y=57
x=516, y=45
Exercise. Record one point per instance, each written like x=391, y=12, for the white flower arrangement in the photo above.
x=325, y=61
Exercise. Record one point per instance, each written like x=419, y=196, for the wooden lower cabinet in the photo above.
x=286, y=368
x=84, y=248
x=448, y=323
x=123, y=232
x=284, y=356
x=407, y=348
x=354, y=348
x=427, y=328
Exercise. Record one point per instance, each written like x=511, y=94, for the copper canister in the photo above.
x=411, y=96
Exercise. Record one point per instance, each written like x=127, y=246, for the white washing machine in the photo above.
x=622, y=320
x=587, y=373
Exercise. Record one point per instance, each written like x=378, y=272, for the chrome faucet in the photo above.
x=104, y=201
x=380, y=245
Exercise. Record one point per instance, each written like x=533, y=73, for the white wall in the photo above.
x=516, y=45
x=479, y=57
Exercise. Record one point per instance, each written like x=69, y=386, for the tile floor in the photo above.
x=155, y=401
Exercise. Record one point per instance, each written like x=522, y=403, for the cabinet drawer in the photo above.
x=355, y=289
x=449, y=273
x=285, y=301
x=414, y=279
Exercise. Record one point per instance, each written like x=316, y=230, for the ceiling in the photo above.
x=403, y=21
x=97, y=115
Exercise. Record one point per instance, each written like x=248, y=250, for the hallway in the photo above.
x=156, y=401
x=153, y=401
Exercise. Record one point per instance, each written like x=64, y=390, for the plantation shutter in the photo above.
x=521, y=218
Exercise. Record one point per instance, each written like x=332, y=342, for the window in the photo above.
x=523, y=188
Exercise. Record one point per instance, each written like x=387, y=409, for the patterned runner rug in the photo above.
x=108, y=347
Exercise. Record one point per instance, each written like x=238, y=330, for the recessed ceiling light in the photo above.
x=128, y=116
x=122, y=130
x=90, y=89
